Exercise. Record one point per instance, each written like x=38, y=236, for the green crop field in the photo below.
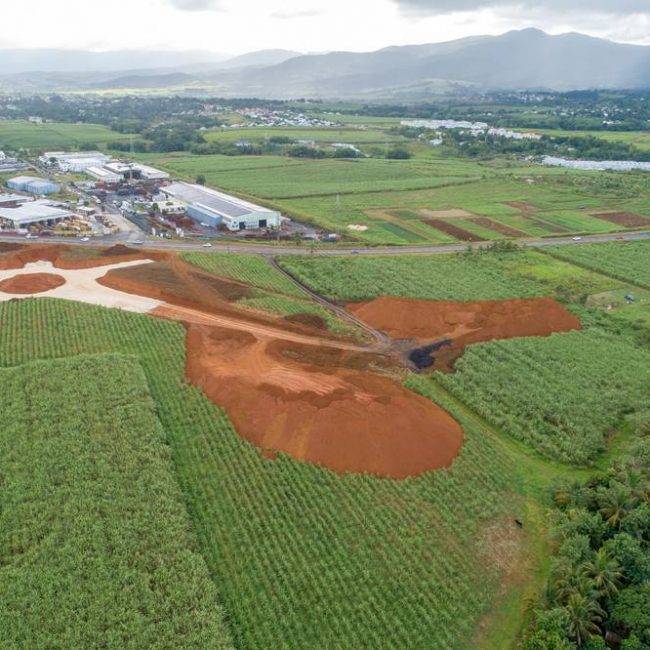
x=302, y=557
x=627, y=261
x=395, y=200
x=562, y=395
x=16, y=134
x=253, y=270
x=94, y=542
x=273, y=292
x=479, y=276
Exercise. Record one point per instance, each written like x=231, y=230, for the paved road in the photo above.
x=271, y=250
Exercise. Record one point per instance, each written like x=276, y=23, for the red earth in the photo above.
x=31, y=283
x=464, y=323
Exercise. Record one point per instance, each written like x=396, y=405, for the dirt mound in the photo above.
x=329, y=414
x=464, y=323
x=67, y=257
x=31, y=283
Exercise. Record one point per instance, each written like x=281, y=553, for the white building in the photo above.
x=216, y=208
x=136, y=170
x=33, y=212
x=76, y=161
x=104, y=175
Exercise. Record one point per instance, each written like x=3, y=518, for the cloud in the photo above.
x=611, y=7
x=195, y=5
x=288, y=15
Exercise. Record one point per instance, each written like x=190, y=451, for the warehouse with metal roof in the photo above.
x=41, y=212
x=33, y=185
x=215, y=208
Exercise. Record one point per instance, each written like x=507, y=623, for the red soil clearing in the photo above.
x=69, y=257
x=452, y=229
x=31, y=283
x=464, y=323
x=284, y=397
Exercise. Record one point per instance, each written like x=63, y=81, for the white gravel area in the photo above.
x=81, y=285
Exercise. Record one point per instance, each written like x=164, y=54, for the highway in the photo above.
x=272, y=250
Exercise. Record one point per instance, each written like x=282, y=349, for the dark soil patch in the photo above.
x=502, y=229
x=311, y=320
x=453, y=230
x=625, y=219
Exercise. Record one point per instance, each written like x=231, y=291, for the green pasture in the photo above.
x=15, y=134
x=324, y=135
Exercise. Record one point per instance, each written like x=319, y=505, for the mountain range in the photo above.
x=517, y=60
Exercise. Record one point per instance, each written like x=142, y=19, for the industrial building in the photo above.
x=217, y=209
x=33, y=185
x=31, y=213
x=8, y=164
x=76, y=161
x=137, y=171
x=13, y=200
x=104, y=175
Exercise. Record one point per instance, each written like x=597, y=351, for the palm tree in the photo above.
x=604, y=571
x=584, y=616
x=570, y=581
x=616, y=502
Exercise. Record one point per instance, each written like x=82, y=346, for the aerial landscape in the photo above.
x=325, y=329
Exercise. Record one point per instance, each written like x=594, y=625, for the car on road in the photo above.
x=577, y=239
x=30, y=236
x=84, y=239
x=207, y=245
x=138, y=242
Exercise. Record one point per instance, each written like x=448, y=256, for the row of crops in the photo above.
x=462, y=277
x=94, y=543
x=562, y=395
x=627, y=261
x=273, y=292
x=302, y=557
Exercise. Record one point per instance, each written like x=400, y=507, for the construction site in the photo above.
x=287, y=384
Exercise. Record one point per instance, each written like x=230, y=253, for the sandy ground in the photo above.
x=81, y=285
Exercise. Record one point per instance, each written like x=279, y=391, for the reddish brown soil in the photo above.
x=625, y=219
x=464, y=323
x=501, y=228
x=311, y=320
x=31, y=283
x=453, y=230
x=325, y=410
x=68, y=257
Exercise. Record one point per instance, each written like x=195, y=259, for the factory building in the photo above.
x=34, y=212
x=76, y=162
x=104, y=175
x=137, y=171
x=33, y=185
x=13, y=200
x=216, y=209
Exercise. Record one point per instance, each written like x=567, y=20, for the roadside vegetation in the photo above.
x=598, y=592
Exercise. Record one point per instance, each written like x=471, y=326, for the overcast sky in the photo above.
x=236, y=26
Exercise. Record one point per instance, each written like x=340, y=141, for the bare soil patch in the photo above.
x=320, y=410
x=452, y=229
x=454, y=213
x=502, y=229
x=311, y=320
x=67, y=257
x=463, y=323
x=30, y=283
x=625, y=219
